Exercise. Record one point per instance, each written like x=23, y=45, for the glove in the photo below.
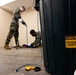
x=24, y=23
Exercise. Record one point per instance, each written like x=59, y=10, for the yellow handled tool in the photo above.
x=28, y=68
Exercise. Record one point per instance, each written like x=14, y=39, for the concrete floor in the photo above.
x=12, y=59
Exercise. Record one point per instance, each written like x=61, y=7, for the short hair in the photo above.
x=23, y=7
x=32, y=31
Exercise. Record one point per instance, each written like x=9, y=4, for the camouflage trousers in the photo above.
x=12, y=32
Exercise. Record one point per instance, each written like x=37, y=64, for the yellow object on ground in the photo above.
x=28, y=68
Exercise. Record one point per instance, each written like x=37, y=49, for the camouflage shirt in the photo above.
x=16, y=15
x=37, y=38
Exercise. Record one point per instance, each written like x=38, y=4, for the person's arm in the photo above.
x=17, y=15
x=23, y=22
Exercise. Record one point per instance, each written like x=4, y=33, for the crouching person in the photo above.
x=37, y=36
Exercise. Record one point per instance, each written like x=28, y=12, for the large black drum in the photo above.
x=58, y=26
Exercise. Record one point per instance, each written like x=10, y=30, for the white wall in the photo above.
x=5, y=18
x=30, y=17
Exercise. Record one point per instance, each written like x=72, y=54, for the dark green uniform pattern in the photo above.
x=14, y=26
x=37, y=39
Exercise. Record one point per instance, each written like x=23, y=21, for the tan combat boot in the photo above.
x=20, y=46
x=7, y=47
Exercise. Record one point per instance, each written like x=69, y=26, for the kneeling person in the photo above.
x=37, y=36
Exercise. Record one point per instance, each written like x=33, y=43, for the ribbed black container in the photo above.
x=58, y=19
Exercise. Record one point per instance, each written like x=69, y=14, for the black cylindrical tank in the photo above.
x=58, y=21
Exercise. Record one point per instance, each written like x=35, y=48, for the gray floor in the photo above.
x=12, y=59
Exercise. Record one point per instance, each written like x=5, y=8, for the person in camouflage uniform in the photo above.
x=37, y=36
x=14, y=26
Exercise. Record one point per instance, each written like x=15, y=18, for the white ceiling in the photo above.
x=11, y=6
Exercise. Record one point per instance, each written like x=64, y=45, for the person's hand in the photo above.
x=24, y=23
